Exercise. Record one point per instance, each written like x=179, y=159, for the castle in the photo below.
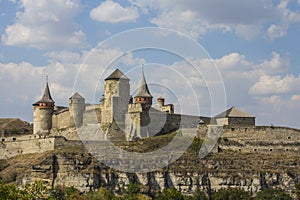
x=55, y=128
x=135, y=116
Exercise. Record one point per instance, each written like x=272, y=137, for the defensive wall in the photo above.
x=260, y=138
x=13, y=146
x=268, y=139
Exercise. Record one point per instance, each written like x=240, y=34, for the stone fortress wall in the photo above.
x=260, y=139
x=237, y=138
x=16, y=145
x=140, y=120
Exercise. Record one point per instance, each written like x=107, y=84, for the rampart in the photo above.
x=13, y=146
x=260, y=138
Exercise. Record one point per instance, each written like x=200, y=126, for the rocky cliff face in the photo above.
x=81, y=170
x=247, y=166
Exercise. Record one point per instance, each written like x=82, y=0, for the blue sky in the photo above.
x=255, y=45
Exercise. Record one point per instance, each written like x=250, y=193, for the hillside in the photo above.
x=14, y=126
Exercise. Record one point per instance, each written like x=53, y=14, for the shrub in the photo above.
x=171, y=193
x=272, y=194
x=231, y=194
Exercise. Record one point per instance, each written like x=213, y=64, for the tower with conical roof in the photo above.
x=42, y=112
x=143, y=95
x=138, y=118
x=116, y=99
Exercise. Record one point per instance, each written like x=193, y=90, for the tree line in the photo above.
x=39, y=191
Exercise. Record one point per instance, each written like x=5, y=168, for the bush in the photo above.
x=231, y=194
x=102, y=193
x=171, y=193
x=272, y=194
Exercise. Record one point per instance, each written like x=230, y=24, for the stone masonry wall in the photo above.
x=23, y=145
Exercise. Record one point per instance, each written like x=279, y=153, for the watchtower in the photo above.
x=77, y=108
x=42, y=113
x=138, y=118
x=143, y=95
x=116, y=99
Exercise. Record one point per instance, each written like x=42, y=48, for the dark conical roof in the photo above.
x=46, y=98
x=143, y=90
x=76, y=96
x=116, y=75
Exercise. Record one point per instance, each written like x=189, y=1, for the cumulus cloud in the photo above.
x=112, y=12
x=277, y=64
x=275, y=85
x=247, y=19
x=181, y=20
x=287, y=18
x=45, y=25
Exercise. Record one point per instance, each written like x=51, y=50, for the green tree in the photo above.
x=58, y=193
x=272, y=194
x=231, y=194
x=169, y=194
x=198, y=195
x=101, y=194
x=9, y=192
x=36, y=191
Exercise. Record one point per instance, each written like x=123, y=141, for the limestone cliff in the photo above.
x=73, y=166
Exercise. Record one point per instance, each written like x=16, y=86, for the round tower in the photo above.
x=42, y=113
x=77, y=108
x=143, y=95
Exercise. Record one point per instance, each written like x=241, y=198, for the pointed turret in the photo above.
x=46, y=97
x=143, y=95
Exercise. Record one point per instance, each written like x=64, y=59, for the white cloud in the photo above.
x=277, y=64
x=273, y=101
x=181, y=20
x=247, y=19
x=112, y=12
x=45, y=25
x=234, y=61
x=275, y=85
x=64, y=56
x=287, y=18
x=275, y=31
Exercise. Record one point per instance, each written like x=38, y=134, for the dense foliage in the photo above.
x=38, y=191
